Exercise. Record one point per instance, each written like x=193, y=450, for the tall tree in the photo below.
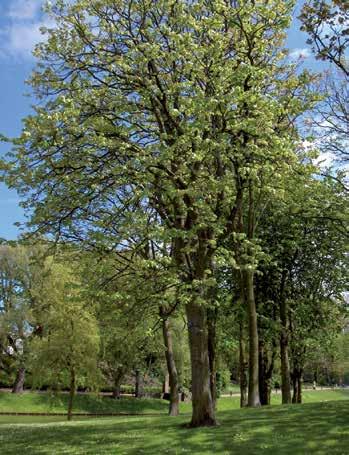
x=183, y=107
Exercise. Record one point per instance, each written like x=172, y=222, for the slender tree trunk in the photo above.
x=139, y=385
x=211, y=333
x=71, y=393
x=285, y=368
x=166, y=384
x=117, y=385
x=264, y=380
x=297, y=374
x=171, y=365
x=266, y=368
x=284, y=357
x=284, y=343
x=253, y=380
x=203, y=407
x=295, y=392
x=116, y=391
x=243, y=368
x=299, y=388
x=18, y=386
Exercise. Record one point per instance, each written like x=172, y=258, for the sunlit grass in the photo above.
x=93, y=403
x=314, y=428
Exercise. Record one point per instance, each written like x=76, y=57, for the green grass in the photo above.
x=314, y=428
x=232, y=388
x=47, y=403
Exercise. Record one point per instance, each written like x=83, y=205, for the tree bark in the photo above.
x=253, y=382
x=71, y=393
x=211, y=333
x=116, y=391
x=139, y=385
x=18, y=386
x=266, y=368
x=171, y=365
x=203, y=407
x=243, y=367
x=284, y=343
x=299, y=394
x=117, y=385
x=166, y=384
x=284, y=356
x=297, y=374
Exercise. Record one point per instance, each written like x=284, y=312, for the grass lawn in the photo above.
x=45, y=402
x=92, y=403
x=314, y=428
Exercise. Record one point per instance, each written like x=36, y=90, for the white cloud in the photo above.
x=298, y=54
x=22, y=31
x=324, y=160
x=24, y=9
x=22, y=38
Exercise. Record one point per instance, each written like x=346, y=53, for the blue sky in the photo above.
x=20, y=21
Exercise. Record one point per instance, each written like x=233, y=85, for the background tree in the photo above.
x=66, y=352
x=20, y=270
x=327, y=25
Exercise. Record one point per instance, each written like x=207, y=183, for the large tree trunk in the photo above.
x=203, y=407
x=211, y=332
x=243, y=368
x=71, y=393
x=18, y=386
x=171, y=365
x=253, y=380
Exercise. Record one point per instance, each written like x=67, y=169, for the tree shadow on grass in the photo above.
x=320, y=429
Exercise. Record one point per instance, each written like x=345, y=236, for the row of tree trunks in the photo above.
x=200, y=315
x=297, y=376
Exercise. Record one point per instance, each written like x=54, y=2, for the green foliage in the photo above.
x=20, y=270
x=70, y=338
